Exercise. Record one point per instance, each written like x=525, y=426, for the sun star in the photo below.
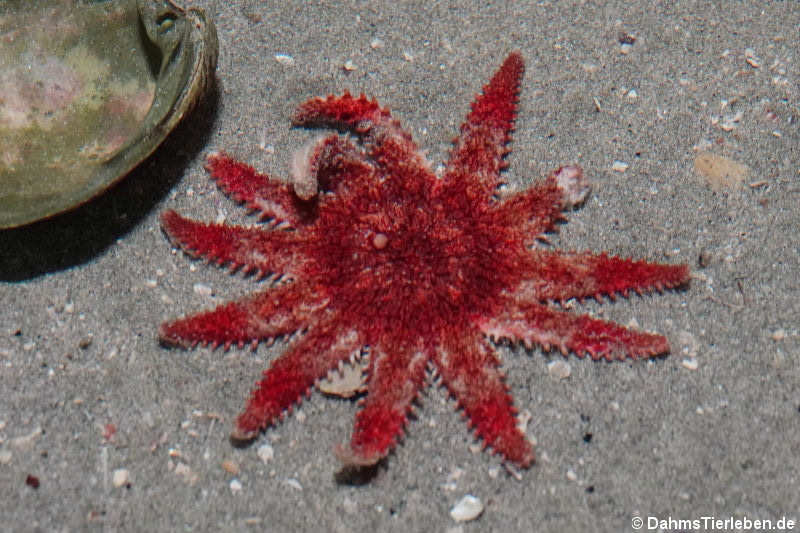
x=370, y=253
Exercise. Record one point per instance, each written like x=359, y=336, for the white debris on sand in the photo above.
x=120, y=477
x=468, y=508
x=265, y=453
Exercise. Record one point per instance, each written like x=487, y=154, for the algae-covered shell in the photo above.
x=89, y=89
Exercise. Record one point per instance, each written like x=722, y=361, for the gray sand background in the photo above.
x=86, y=392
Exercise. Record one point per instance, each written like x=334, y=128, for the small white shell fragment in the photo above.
x=619, y=166
x=376, y=43
x=235, y=485
x=689, y=363
x=468, y=508
x=5, y=457
x=349, y=506
x=189, y=476
x=574, y=186
x=120, y=477
x=344, y=383
x=559, y=369
x=24, y=442
x=751, y=58
x=571, y=475
x=284, y=59
x=265, y=453
x=292, y=482
x=688, y=343
x=304, y=181
x=202, y=289
x=349, y=65
x=729, y=122
x=522, y=420
x=779, y=334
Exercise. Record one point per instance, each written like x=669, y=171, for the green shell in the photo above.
x=89, y=89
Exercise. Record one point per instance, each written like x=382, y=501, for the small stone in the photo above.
x=85, y=342
x=230, y=467
x=120, y=477
x=5, y=457
x=235, y=485
x=376, y=43
x=571, y=475
x=559, y=369
x=265, y=453
x=468, y=508
x=349, y=66
x=32, y=481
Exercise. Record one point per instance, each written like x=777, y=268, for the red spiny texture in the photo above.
x=384, y=259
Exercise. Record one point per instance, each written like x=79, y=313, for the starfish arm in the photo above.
x=535, y=211
x=276, y=311
x=355, y=114
x=477, y=157
x=395, y=378
x=273, y=199
x=327, y=163
x=560, y=276
x=292, y=375
x=384, y=139
x=251, y=248
x=579, y=334
x=470, y=371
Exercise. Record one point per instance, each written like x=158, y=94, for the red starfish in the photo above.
x=414, y=269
